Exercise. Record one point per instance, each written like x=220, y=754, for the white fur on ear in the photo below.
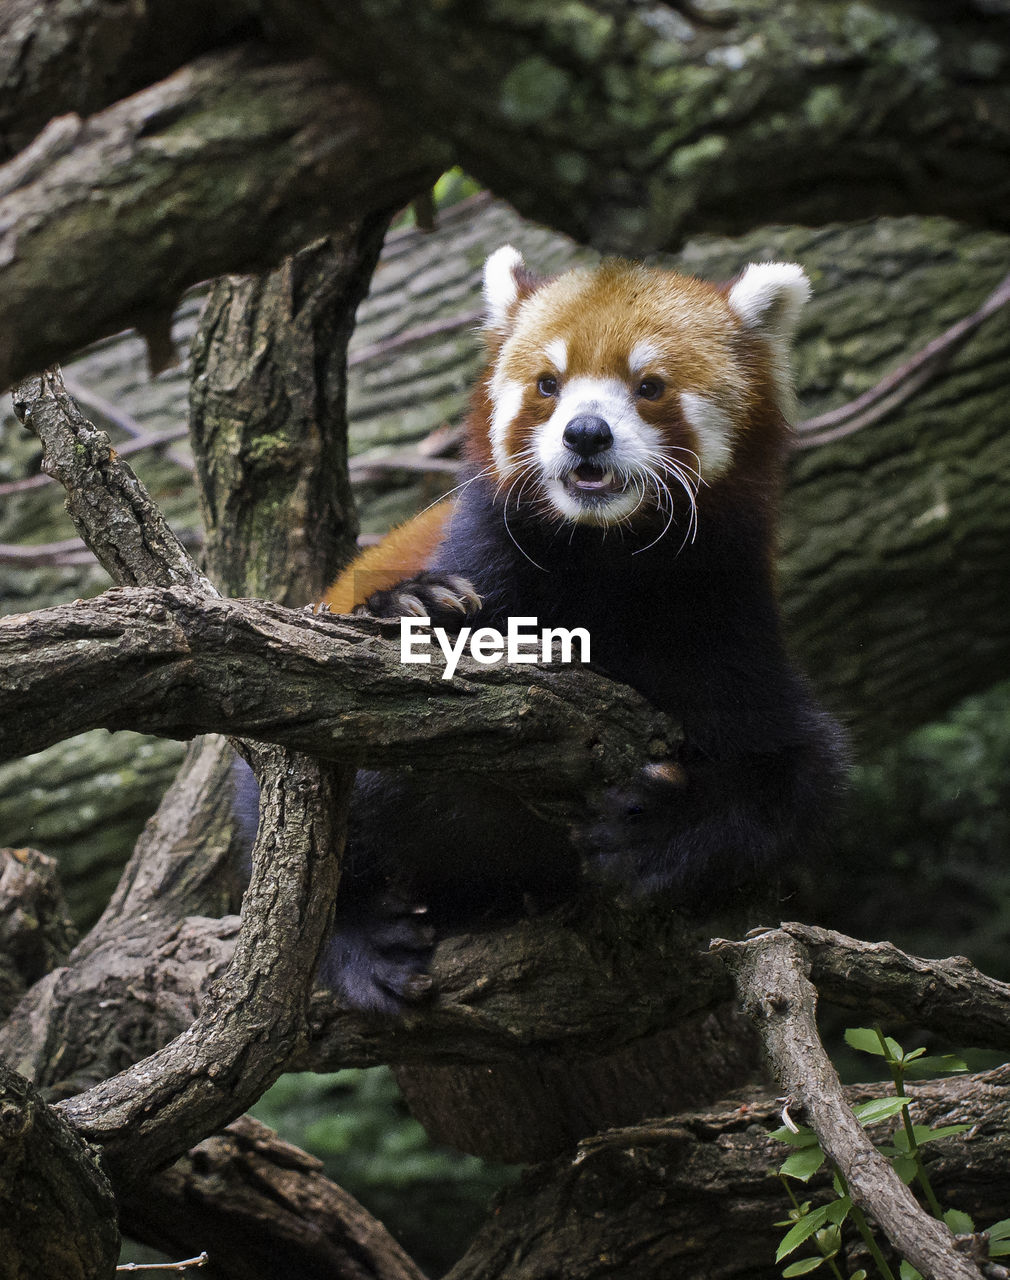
x=768, y=297
x=501, y=289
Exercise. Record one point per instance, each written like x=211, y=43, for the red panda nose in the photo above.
x=586, y=435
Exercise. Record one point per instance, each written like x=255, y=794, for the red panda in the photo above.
x=625, y=447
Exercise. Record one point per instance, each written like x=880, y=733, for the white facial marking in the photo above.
x=713, y=428
x=507, y=398
x=635, y=443
x=642, y=355
x=556, y=352
x=500, y=287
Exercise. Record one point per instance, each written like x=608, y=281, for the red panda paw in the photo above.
x=378, y=955
x=447, y=599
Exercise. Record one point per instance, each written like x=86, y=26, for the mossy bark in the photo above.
x=633, y=126
x=57, y=1211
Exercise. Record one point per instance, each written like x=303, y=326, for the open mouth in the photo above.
x=593, y=482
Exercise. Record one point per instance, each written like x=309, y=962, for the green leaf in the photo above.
x=908, y=1272
x=803, y=1230
x=864, y=1039
x=838, y=1210
x=999, y=1230
x=802, y=1165
x=934, y=1135
x=858, y=1275
x=905, y=1168
x=878, y=1109
x=803, y=1267
x=999, y=1249
x=894, y=1050
x=804, y=1138
x=938, y=1065
x=959, y=1222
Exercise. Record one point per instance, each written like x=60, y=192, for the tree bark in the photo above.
x=57, y=1210
x=268, y=1211
x=166, y=189
x=633, y=127
x=268, y=419
x=35, y=934
x=179, y=663
x=79, y=56
x=696, y=1195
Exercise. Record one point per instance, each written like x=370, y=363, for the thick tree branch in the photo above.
x=176, y=663
x=35, y=933
x=81, y=55
x=696, y=1195
x=56, y=1205
x=631, y=126
x=771, y=974
x=269, y=1210
x=880, y=981
x=227, y=165
x=152, y=1112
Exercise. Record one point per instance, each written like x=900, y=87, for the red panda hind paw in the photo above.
x=446, y=598
x=378, y=955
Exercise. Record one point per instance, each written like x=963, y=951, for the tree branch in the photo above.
x=110, y=508
x=58, y=56
x=227, y=165
x=35, y=933
x=631, y=127
x=771, y=974
x=269, y=1210
x=696, y=1196
x=178, y=664
x=949, y=996
x=152, y=1112
x=56, y=1204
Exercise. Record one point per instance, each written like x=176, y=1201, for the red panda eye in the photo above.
x=547, y=385
x=650, y=389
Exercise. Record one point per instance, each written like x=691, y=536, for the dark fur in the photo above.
x=693, y=628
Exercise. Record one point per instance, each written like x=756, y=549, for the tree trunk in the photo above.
x=57, y=1210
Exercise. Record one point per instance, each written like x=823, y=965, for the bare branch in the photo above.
x=950, y=996
x=268, y=1208
x=228, y=165
x=152, y=1112
x=771, y=974
x=178, y=663
x=124, y=529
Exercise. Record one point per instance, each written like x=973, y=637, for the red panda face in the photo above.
x=615, y=394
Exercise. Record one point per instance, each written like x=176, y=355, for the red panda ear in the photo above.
x=768, y=298
x=506, y=282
